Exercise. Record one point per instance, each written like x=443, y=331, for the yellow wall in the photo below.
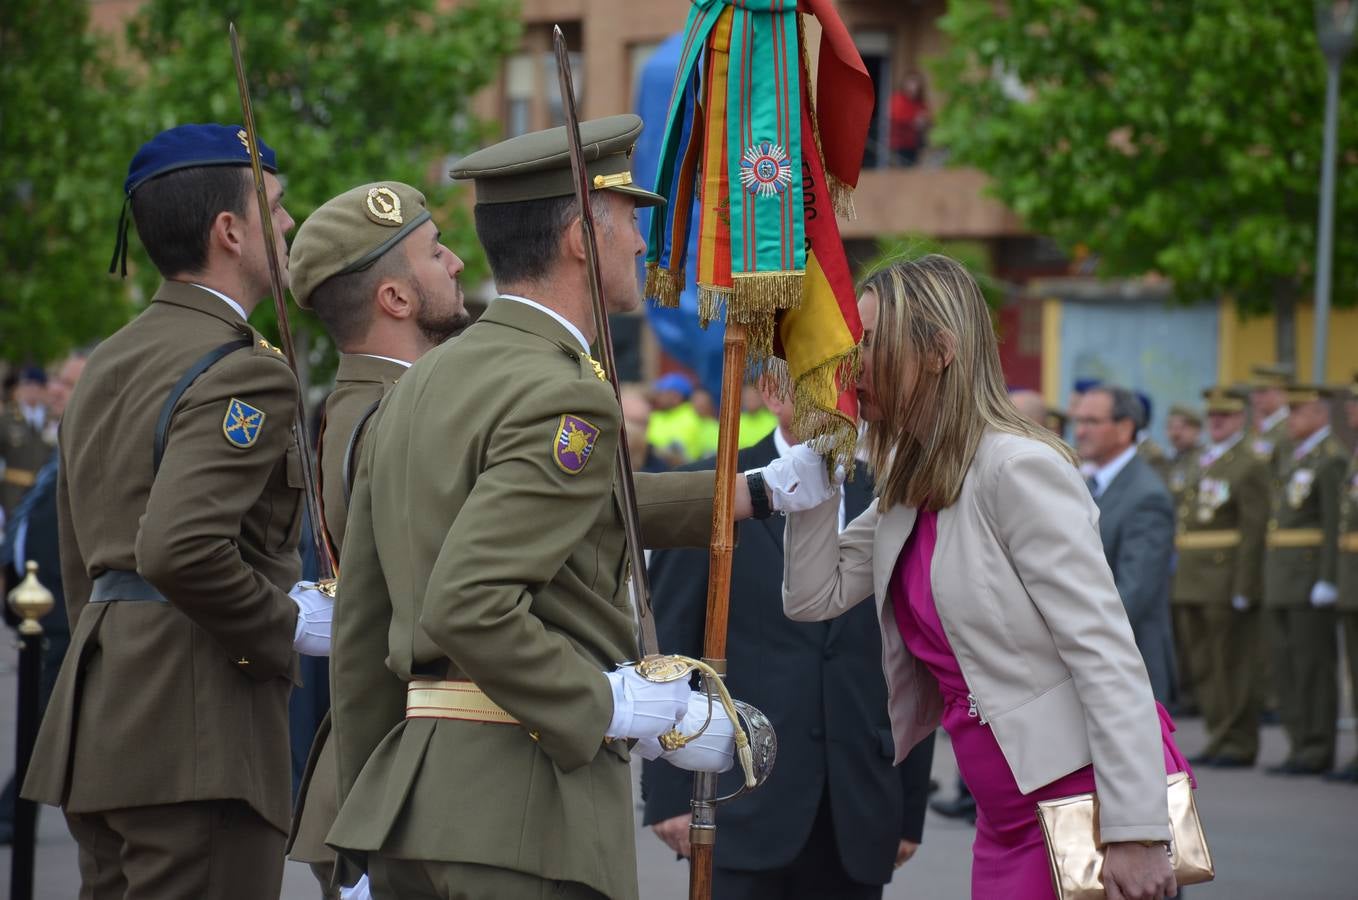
x=1244, y=343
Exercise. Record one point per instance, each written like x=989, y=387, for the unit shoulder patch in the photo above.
x=242, y=423
x=574, y=444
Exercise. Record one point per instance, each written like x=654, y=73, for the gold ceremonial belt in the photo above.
x=1296, y=537
x=428, y=699
x=20, y=477
x=1220, y=539
x=1349, y=542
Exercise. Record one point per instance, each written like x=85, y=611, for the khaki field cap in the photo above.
x=537, y=165
x=351, y=232
x=1187, y=413
x=1223, y=400
x=1267, y=376
x=1297, y=394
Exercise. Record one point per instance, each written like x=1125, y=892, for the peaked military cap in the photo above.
x=1308, y=393
x=1186, y=412
x=1222, y=399
x=192, y=146
x=1267, y=376
x=537, y=165
x=351, y=232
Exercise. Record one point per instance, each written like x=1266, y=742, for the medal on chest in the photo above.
x=1299, y=487
x=1213, y=493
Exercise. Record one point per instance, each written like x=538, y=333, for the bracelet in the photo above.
x=759, y=495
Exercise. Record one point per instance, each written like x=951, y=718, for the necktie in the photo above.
x=1093, y=486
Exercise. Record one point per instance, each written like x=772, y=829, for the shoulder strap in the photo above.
x=182, y=385
x=349, y=461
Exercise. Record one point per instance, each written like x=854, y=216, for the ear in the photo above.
x=395, y=299
x=227, y=233
x=573, y=241
x=943, y=352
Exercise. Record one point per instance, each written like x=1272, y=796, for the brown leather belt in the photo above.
x=20, y=477
x=429, y=699
x=1295, y=537
x=1217, y=539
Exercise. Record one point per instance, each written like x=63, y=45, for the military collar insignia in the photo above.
x=244, y=140
x=270, y=347
x=383, y=206
x=598, y=369
x=574, y=444
x=242, y=423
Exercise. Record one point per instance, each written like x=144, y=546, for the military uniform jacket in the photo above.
x=1182, y=473
x=1303, y=538
x=1222, y=519
x=23, y=451
x=1348, y=540
x=1273, y=445
x=1156, y=458
x=360, y=382
x=186, y=700
x=485, y=542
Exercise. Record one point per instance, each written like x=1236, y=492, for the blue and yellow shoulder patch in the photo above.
x=574, y=444
x=242, y=423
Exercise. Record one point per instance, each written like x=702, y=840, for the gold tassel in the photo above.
x=764, y=293
x=663, y=285
x=712, y=300
x=835, y=435
x=841, y=197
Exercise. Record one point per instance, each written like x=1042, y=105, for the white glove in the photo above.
x=1323, y=594
x=314, y=612
x=359, y=891
x=1240, y=603
x=712, y=751
x=644, y=709
x=799, y=481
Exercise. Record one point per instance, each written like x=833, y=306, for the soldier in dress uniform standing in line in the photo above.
x=1268, y=440
x=370, y=264
x=179, y=499
x=482, y=720
x=1347, y=604
x=24, y=446
x=1301, y=572
x=1183, y=427
x=1218, y=582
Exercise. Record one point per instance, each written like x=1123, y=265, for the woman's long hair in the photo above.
x=936, y=375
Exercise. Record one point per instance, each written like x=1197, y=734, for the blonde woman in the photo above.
x=999, y=616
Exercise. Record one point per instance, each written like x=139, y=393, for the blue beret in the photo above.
x=191, y=146
x=1145, y=404
x=674, y=381
x=1084, y=385
x=34, y=374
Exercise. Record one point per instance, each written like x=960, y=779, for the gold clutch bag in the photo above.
x=1069, y=826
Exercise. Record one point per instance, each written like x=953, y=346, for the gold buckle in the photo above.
x=612, y=181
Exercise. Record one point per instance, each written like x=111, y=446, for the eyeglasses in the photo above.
x=1090, y=421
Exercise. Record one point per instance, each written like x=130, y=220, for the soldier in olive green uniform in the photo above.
x=1347, y=604
x=484, y=592
x=369, y=263
x=1184, y=428
x=1269, y=441
x=1218, y=581
x=179, y=498
x=23, y=447
x=1300, y=572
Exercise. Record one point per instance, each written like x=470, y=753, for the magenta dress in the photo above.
x=1009, y=860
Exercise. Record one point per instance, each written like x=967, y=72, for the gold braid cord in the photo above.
x=672, y=667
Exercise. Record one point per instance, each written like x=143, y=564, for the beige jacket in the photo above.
x=1030, y=608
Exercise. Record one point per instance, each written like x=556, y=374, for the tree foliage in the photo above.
x=346, y=91
x=1166, y=136
x=62, y=127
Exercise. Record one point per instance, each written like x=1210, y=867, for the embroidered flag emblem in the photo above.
x=242, y=423
x=574, y=444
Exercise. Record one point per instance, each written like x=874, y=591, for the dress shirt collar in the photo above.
x=1104, y=475
x=565, y=323
x=1311, y=442
x=1273, y=418
x=240, y=310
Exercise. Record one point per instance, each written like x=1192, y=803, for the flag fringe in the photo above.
x=712, y=300
x=836, y=434
x=841, y=197
x=662, y=285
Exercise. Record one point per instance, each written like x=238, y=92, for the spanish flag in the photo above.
x=770, y=171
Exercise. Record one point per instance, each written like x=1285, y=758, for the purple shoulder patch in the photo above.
x=574, y=444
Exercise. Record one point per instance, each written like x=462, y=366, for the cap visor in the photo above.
x=642, y=196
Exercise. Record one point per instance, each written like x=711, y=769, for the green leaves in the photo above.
x=345, y=91
x=1182, y=138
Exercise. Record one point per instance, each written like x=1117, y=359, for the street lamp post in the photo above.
x=1335, y=22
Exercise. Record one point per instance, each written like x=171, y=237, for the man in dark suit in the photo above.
x=1136, y=521
x=835, y=816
